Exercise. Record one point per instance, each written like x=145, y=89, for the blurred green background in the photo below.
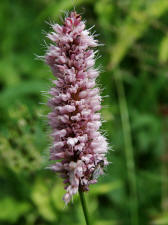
x=134, y=75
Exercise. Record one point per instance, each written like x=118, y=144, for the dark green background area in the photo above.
x=134, y=79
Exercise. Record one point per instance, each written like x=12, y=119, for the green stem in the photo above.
x=164, y=167
x=129, y=155
x=84, y=207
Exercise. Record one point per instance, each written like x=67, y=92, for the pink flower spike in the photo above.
x=79, y=149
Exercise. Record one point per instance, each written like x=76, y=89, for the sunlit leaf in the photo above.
x=163, y=51
x=11, y=210
x=41, y=198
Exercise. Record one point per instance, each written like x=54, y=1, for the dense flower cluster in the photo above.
x=78, y=146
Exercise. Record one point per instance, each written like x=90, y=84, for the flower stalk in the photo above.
x=129, y=152
x=84, y=207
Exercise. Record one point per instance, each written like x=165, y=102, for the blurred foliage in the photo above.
x=135, y=34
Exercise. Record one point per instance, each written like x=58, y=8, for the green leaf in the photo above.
x=105, y=9
x=161, y=220
x=11, y=210
x=57, y=196
x=41, y=198
x=54, y=9
x=133, y=28
x=12, y=94
x=105, y=187
x=105, y=222
x=163, y=51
